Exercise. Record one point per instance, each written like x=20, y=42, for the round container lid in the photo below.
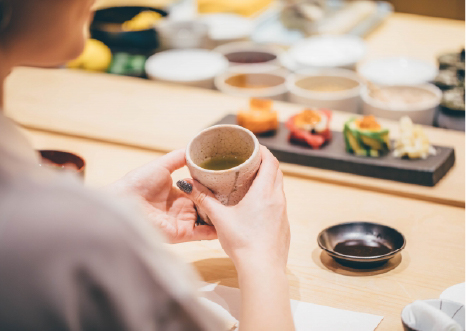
x=186, y=65
x=227, y=26
x=328, y=51
x=398, y=71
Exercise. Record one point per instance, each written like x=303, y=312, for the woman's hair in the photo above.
x=5, y=13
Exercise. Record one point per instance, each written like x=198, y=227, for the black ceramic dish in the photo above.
x=60, y=160
x=105, y=27
x=333, y=156
x=361, y=244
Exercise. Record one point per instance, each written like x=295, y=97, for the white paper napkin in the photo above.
x=307, y=316
x=422, y=316
x=229, y=323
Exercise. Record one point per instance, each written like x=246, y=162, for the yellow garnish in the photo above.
x=307, y=117
x=413, y=141
x=241, y=7
x=368, y=123
x=260, y=104
x=96, y=56
x=142, y=21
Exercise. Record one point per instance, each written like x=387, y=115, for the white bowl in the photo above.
x=230, y=83
x=327, y=52
x=224, y=28
x=454, y=293
x=192, y=67
x=420, y=112
x=398, y=71
x=452, y=309
x=346, y=100
x=254, y=57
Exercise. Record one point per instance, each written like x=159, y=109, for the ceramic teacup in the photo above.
x=230, y=185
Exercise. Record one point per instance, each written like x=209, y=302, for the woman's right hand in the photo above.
x=257, y=228
x=255, y=233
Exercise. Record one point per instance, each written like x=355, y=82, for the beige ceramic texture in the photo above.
x=231, y=185
x=346, y=100
x=422, y=113
x=273, y=84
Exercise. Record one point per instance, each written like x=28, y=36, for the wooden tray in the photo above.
x=333, y=156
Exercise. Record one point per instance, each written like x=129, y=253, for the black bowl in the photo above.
x=106, y=27
x=60, y=160
x=361, y=244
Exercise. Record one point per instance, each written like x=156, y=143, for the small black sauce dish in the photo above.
x=62, y=161
x=361, y=245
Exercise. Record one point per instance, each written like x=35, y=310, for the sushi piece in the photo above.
x=453, y=101
x=260, y=118
x=413, y=142
x=449, y=60
x=366, y=137
x=451, y=112
x=310, y=127
x=447, y=79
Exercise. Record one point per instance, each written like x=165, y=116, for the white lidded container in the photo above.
x=183, y=34
x=192, y=67
x=398, y=71
x=419, y=102
x=335, y=89
x=251, y=84
x=325, y=51
x=227, y=27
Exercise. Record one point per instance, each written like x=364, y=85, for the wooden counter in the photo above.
x=416, y=36
x=164, y=117
x=144, y=119
x=432, y=261
x=155, y=118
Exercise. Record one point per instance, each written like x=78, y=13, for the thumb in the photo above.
x=199, y=194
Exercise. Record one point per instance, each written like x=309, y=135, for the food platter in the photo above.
x=333, y=156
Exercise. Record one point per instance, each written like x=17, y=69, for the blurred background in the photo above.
x=448, y=9
x=320, y=53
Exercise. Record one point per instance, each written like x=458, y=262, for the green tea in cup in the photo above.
x=225, y=159
x=222, y=162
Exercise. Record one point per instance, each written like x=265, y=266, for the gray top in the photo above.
x=72, y=259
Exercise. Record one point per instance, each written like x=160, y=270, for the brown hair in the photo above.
x=5, y=13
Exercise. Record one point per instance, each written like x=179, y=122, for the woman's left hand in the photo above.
x=166, y=207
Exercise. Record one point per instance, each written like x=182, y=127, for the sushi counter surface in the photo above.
x=117, y=124
x=432, y=260
x=163, y=117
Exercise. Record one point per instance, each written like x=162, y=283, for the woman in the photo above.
x=72, y=259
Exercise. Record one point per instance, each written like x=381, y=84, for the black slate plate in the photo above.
x=333, y=156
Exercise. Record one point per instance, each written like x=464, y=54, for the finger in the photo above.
x=267, y=171
x=173, y=160
x=199, y=194
x=279, y=180
x=203, y=232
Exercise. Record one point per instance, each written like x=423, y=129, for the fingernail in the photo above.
x=184, y=186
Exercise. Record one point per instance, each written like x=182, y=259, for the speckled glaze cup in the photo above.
x=231, y=185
